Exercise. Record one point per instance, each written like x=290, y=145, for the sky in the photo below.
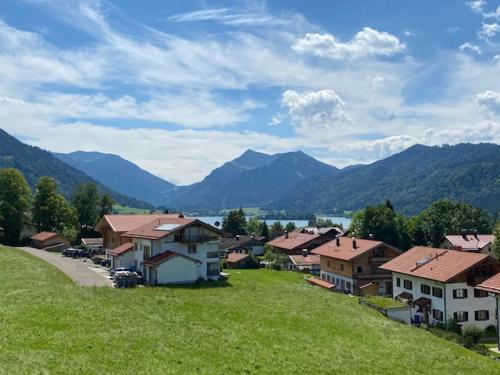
x=181, y=87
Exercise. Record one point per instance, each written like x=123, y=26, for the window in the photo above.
x=437, y=314
x=408, y=284
x=482, y=315
x=348, y=285
x=378, y=253
x=437, y=292
x=459, y=293
x=341, y=267
x=461, y=316
x=192, y=249
x=212, y=254
x=425, y=289
x=213, y=269
x=136, y=246
x=359, y=269
x=480, y=293
x=147, y=252
x=398, y=282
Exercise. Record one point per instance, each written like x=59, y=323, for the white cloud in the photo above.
x=494, y=14
x=489, y=30
x=470, y=46
x=477, y=6
x=315, y=112
x=490, y=100
x=367, y=42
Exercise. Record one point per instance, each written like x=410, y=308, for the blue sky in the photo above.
x=181, y=87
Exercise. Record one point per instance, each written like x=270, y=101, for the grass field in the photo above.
x=260, y=322
x=129, y=210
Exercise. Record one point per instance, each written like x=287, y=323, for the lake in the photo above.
x=345, y=221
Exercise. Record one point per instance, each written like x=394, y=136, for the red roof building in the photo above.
x=295, y=242
x=478, y=243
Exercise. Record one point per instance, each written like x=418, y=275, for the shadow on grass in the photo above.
x=200, y=285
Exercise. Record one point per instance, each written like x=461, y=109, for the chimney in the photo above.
x=181, y=216
x=338, y=241
x=354, y=244
x=475, y=231
x=286, y=234
x=464, y=233
x=304, y=252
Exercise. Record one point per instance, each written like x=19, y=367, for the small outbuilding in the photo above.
x=237, y=260
x=44, y=240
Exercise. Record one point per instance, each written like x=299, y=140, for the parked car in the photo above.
x=106, y=262
x=69, y=252
x=119, y=269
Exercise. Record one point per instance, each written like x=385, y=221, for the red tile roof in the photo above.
x=433, y=264
x=236, y=257
x=491, y=285
x=343, y=248
x=125, y=223
x=293, y=240
x=165, y=257
x=122, y=249
x=470, y=242
x=320, y=282
x=43, y=236
x=150, y=229
x=301, y=260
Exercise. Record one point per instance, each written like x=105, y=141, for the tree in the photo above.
x=235, y=222
x=254, y=226
x=15, y=201
x=496, y=242
x=447, y=217
x=276, y=229
x=265, y=230
x=86, y=202
x=290, y=226
x=106, y=205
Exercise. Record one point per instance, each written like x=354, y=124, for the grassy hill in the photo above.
x=263, y=322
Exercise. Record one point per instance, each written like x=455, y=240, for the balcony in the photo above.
x=192, y=238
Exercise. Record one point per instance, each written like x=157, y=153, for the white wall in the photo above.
x=124, y=260
x=177, y=270
x=337, y=280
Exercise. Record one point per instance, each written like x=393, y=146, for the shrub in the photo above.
x=471, y=335
x=490, y=331
x=453, y=326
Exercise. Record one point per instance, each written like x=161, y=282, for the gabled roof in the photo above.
x=434, y=264
x=470, y=242
x=162, y=227
x=125, y=223
x=491, y=285
x=43, y=236
x=165, y=257
x=236, y=257
x=343, y=248
x=293, y=240
x=308, y=260
x=238, y=241
x=122, y=249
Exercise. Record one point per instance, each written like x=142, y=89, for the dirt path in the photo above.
x=78, y=270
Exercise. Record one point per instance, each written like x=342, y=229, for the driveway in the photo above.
x=82, y=272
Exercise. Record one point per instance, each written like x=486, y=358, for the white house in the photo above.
x=492, y=286
x=441, y=284
x=172, y=251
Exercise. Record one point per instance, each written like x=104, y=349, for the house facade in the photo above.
x=440, y=284
x=174, y=251
x=492, y=287
x=309, y=263
x=352, y=265
x=477, y=243
x=296, y=242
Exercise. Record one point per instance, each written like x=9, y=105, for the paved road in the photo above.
x=79, y=271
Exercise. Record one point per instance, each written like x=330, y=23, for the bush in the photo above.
x=453, y=326
x=490, y=331
x=471, y=335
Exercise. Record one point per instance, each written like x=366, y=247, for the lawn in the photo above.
x=383, y=302
x=129, y=210
x=261, y=321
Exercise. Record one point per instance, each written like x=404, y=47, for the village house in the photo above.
x=352, y=265
x=329, y=232
x=306, y=262
x=237, y=259
x=112, y=227
x=295, y=242
x=477, y=243
x=243, y=243
x=44, y=240
x=441, y=284
x=172, y=250
x=492, y=287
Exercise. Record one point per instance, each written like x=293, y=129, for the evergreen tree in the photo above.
x=276, y=229
x=290, y=226
x=265, y=230
x=235, y=222
x=496, y=242
x=106, y=205
x=15, y=201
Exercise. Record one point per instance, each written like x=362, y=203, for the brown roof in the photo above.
x=320, y=282
x=122, y=249
x=301, y=260
x=43, y=236
x=491, y=285
x=345, y=249
x=433, y=264
x=92, y=241
x=470, y=242
x=236, y=257
x=293, y=241
x=165, y=257
x=239, y=241
x=153, y=230
x=422, y=302
x=125, y=223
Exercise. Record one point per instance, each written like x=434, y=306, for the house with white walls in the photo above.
x=492, y=287
x=173, y=250
x=441, y=284
x=476, y=243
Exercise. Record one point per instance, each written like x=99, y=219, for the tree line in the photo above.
x=47, y=209
x=427, y=228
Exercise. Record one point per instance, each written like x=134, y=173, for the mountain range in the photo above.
x=35, y=162
x=293, y=181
